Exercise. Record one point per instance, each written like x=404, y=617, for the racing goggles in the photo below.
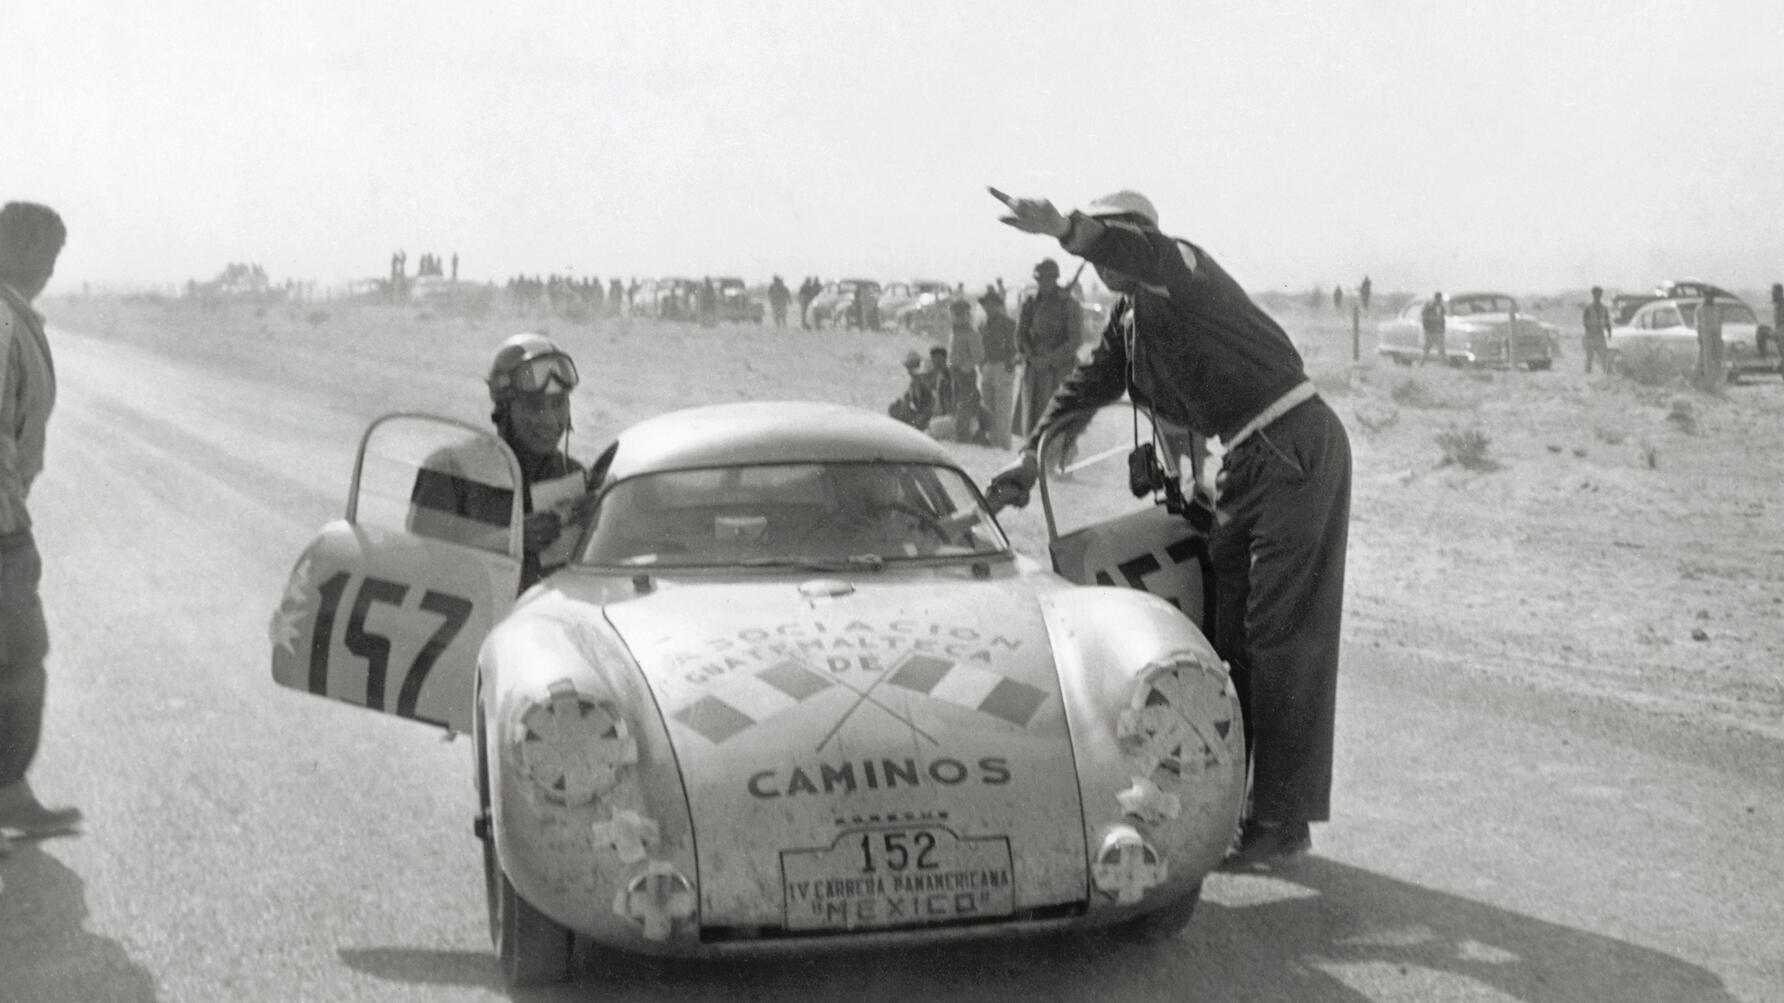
x=537, y=374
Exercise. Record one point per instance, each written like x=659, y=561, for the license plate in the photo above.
x=882, y=878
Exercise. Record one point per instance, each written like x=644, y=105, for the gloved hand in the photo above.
x=1011, y=485
x=540, y=531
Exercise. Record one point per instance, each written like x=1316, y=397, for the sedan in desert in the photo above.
x=791, y=691
x=1483, y=329
x=848, y=303
x=1663, y=334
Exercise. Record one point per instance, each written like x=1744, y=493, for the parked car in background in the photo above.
x=921, y=310
x=1483, y=329
x=1663, y=333
x=672, y=298
x=735, y=303
x=835, y=305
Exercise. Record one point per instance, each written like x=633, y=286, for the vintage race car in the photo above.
x=793, y=689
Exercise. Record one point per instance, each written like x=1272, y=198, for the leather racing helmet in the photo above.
x=529, y=363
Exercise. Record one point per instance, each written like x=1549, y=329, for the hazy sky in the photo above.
x=1523, y=146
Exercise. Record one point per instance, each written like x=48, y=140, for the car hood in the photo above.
x=868, y=754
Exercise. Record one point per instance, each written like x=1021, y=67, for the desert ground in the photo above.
x=1561, y=735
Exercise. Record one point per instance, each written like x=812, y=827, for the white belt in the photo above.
x=1281, y=406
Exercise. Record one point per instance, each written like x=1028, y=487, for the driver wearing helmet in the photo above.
x=460, y=494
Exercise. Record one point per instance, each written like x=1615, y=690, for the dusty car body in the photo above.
x=1482, y=329
x=1663, y=332
x=743, y=721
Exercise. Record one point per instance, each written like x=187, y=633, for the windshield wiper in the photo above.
x=853, y=562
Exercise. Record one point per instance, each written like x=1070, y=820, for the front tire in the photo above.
x=1167, y=922
x=532, y=949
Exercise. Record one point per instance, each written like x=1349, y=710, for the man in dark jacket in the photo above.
x=1186, y=341
x=1049, y=329
x=778, y=295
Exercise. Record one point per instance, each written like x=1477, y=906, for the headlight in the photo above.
x=1175, y=725
x=1126, y=866
x=657, y=899
x=572, y=746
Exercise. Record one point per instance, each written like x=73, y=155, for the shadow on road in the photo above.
x=1328, y=932
x=429, y=968
x=44, y=952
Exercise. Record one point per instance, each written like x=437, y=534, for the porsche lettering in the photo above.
x=872, y=774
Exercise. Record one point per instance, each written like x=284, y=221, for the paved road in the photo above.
x=245, y=842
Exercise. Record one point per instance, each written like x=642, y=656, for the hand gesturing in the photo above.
x=1032, y=215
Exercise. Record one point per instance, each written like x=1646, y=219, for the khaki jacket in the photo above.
x=27, y=395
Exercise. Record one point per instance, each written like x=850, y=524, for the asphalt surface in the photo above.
x=1491, y=841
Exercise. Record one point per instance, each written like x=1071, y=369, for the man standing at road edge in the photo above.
x=1432, y=319
x=31, y=238
x=1597, y=320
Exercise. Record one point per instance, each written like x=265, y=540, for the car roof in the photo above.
x=754, y=432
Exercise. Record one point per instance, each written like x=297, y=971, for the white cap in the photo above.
x=1123, y=203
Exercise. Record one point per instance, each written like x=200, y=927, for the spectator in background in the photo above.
x=997, y=371
x=31, y=238
x=778, y=296
x=1711, y=363
x=1049, y=329
x=709, y=303
x=917, y=405
x=965, y=352
x=1777, y=324
x=808, y=291
x=1433, y=318
x=1337, y=297
x=1596, y=319
x=941, y=382
x=1363, y=293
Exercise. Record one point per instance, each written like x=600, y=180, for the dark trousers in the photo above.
x=1596, y=347
x=24, y=641
x=1279, y=592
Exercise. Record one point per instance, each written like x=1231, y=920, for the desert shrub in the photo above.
x=1466, y=448
x=1331, y=376
x=1610, y=436
x=1684, y=415
x=1412, y=393
x=1650, y=455
x=1375, y=417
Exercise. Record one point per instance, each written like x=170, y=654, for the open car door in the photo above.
x=388, y=606
x=1099, y=532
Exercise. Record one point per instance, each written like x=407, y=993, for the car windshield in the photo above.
x=809, y=515
x=1464, y=305
x=1732, y=313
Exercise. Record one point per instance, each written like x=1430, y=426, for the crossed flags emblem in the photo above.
x=746, y=699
